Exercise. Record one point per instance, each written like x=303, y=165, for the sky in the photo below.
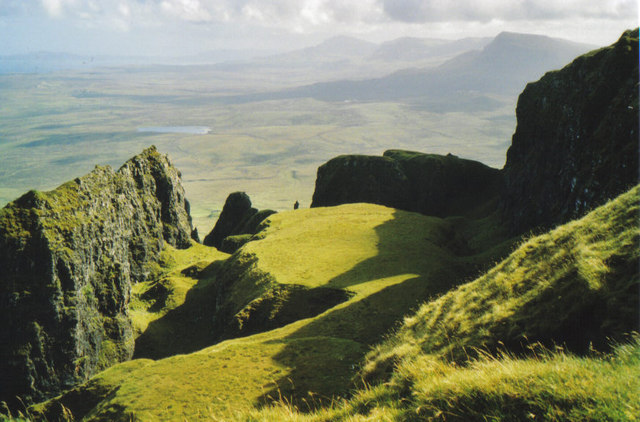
x=183, y=27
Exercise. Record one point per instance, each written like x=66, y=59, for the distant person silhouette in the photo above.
x=296, y=205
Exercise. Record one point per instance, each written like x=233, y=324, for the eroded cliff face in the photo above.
x=67, y=261
x=576, y=142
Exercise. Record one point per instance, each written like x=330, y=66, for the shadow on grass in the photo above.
x=323, y=354
x=431, y=265
x=204, y=320
x=188, y=327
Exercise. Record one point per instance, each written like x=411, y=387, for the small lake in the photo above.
x=193, y=130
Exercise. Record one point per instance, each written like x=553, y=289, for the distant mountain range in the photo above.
x=413, y=49
x=439, y=75
x=347, y=57
x=503, y=66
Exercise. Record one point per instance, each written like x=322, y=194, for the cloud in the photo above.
x=422, y=11
x=301, y=15
x=188, y=10
x=276, y=23
x=309, y=15
x=53, y=7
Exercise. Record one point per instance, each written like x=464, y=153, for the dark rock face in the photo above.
x=67, y=261
x=426, y=183
x=359, y=178
x=576, y=143
x=238, y=217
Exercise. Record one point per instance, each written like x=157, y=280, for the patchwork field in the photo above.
x=54, y=127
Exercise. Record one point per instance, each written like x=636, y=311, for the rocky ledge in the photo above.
x=430, y=184
x=574, y=148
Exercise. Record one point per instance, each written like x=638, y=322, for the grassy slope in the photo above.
x=574, y=287
x=387, y=260
x=549, y=387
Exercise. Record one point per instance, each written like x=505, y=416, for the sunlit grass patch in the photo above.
x=550, y=386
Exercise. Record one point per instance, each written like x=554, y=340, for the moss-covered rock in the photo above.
x=576, y=143
x=67, y=261
x=238, y=217
x=427, y=183
x=230, y=244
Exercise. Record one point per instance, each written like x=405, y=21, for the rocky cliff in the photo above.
x=427, y=183
x=575, y=147
x=67, y=261
x=576, y=142
x=237, y=222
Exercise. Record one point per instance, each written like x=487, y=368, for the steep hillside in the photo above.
x=499, y=347
x=576, y=142
x=301, y=302
x=67, y=261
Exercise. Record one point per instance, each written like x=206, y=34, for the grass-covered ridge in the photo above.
x=576, y=286
x=514, y=344
x=517, y=343
x=377, y=261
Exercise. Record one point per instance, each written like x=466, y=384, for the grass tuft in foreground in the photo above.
x=551, y=386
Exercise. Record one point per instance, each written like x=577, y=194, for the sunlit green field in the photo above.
x=55, y=127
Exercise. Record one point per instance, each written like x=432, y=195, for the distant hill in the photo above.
x=42, y=62
x=329, y=56
x=504, y=66
x=344, y=57
x=339, y=46
x=413, y=49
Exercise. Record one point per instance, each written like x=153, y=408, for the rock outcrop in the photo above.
x=238, y=220
x=576, y=142
x=427, y=183
x=67, y=261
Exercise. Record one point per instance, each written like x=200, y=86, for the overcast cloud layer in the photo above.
x=171, y=26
